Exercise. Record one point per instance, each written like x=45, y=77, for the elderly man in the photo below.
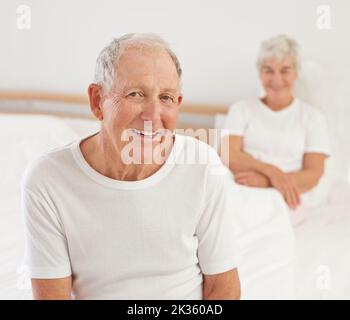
x=101, y=225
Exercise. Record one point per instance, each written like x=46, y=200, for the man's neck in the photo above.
x=106, y=160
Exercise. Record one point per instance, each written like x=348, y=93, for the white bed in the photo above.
x=310, y=261
x=323, y=242
x=321, y=266
x=23, y=137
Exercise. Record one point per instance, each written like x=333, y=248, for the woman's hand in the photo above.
x=284, y=184
x=252, y=179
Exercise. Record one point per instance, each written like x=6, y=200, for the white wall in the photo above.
x=217, y=41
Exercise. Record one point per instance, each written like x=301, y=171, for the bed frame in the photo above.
x=191, y=115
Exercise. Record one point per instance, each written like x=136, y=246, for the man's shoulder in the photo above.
x=198, y=151
x=202, y=159
x=46, y=166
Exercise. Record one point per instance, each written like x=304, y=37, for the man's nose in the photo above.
x=151, y=111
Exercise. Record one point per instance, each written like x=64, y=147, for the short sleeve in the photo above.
x=235, y=123
x=217, y=249
x=46, y=254
x=317, y=135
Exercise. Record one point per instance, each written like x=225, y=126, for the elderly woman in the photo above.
x=278, y=141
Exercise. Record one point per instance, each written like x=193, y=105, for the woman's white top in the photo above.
x=280, y=138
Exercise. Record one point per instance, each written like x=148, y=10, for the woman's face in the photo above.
x=278, y=79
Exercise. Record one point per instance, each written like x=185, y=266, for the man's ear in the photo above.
x=95, y=99
x=179, y=99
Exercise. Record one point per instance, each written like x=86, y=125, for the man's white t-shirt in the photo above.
x=147, y=239
x=280, y=138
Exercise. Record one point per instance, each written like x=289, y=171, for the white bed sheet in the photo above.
x=321, y=269
x=323, y=249
x=266, y=242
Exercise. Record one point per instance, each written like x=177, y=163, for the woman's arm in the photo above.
x=240, y=161
x=310, y=175
x=251, y=172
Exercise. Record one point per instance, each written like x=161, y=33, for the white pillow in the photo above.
x=82, y=127
x=23, y=138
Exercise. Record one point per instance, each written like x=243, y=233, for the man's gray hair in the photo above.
x=278, y=48
x=108, y=58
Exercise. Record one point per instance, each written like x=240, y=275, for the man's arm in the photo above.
x=52, y=289
x=222, y=286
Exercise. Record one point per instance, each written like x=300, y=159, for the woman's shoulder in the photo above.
x=245, y=106
x=309, y=111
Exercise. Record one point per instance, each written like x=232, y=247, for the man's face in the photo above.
x=145, y=98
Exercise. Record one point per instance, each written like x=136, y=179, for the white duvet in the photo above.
x=267, y=244
x=323, y=243
x=309, y=261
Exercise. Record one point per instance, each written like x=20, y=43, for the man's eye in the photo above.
x=167, y=99
x=135, y=94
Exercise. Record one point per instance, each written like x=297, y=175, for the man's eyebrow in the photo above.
x=133, y=86
x=145, y=88
x=172, y=90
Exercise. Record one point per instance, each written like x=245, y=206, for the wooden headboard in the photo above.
x=81, y=110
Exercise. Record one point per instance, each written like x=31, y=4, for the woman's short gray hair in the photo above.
x=278, y=48
x=107, y=59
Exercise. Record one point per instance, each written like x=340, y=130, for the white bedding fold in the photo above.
x=267, y=244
